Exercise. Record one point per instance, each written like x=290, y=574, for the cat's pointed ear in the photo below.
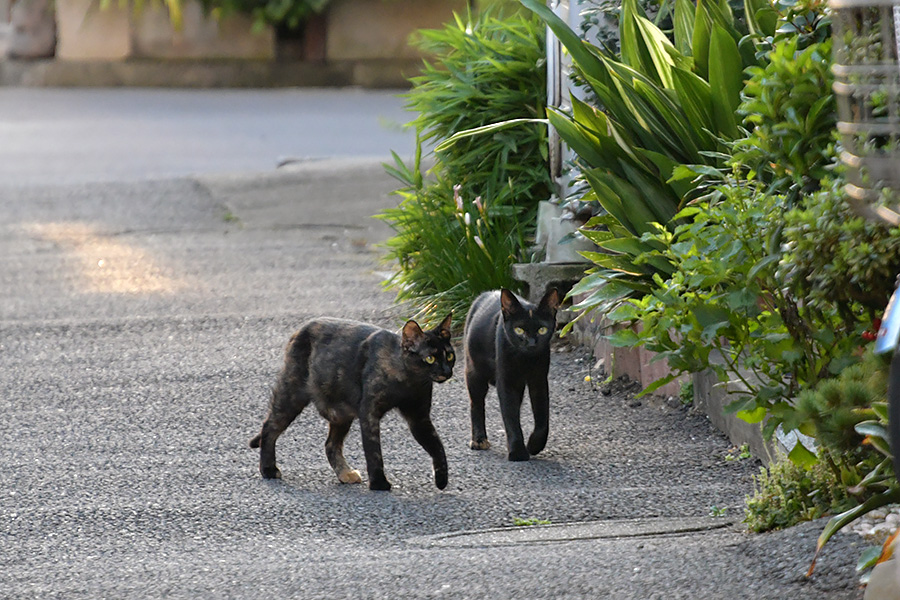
x=550, y=301
x=509, y=304
x=445, y=328
x=411, y=335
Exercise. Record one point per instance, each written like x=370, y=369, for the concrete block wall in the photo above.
x=711, y=398
x=200, y=36
x=379, y=30
x=355, y=42
x=86, y=32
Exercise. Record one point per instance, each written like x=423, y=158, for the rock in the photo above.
x=884, y=583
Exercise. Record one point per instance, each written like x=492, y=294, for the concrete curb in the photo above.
x=371, y=74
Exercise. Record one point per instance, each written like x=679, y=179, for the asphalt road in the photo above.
x=141, y=324
x=89, y=135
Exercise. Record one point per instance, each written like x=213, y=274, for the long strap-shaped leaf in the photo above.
x=684, y=26
x=839, y=521
x=725, y=80
x=636, y=52
x=663, y=125
x=579, y=50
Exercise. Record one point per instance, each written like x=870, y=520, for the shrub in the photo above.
x=485, y=70
x=288, y=14
x=791, y=113
x=723, y=297
x=448, y=252
x=831, y=411
x=848, y=416
x=834, y=257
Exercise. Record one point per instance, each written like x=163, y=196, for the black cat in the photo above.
x=507, y=343
x=349, y=369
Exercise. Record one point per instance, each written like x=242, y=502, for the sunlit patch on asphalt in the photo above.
x=108, y=266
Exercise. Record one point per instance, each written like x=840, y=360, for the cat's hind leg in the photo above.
x=334, y=450
x=478, y=389
x=288, y=401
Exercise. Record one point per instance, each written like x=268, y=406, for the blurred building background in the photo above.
x=180, y=43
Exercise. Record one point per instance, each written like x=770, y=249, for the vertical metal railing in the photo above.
x=867, y=89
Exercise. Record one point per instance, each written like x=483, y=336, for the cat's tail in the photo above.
x=254, y=443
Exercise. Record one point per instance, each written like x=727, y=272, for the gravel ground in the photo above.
x=130, y=388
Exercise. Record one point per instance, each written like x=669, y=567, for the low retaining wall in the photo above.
x=637, y=364
x=710, y=397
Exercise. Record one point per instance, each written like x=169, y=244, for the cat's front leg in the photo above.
x=539, y=393
x=370, y=426
x=511, y=394
x=424, y=432
x=334, y=450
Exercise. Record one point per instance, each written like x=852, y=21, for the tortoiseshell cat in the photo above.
x=349, y=369
x=507, y=343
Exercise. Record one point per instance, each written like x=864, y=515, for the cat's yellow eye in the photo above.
x=429, y=360
x=519, y=331
x=450, y=356
x=542, y=331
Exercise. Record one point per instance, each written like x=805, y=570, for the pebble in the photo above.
x=877, y=525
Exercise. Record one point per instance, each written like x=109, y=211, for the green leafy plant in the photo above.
x=460, y=227
x=750, y=280
x=449, y=252
x=724, y=308
x=853, y=475
x=835, y=258
x=486, y=69
x=806, y=20
x=786, y=494
x=740, y=453
x=686, y=393
x=663, y=103
x=850, y=415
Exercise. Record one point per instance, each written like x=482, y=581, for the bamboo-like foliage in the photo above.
x=459, y=229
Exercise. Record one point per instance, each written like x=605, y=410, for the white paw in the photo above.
x=351, y=476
